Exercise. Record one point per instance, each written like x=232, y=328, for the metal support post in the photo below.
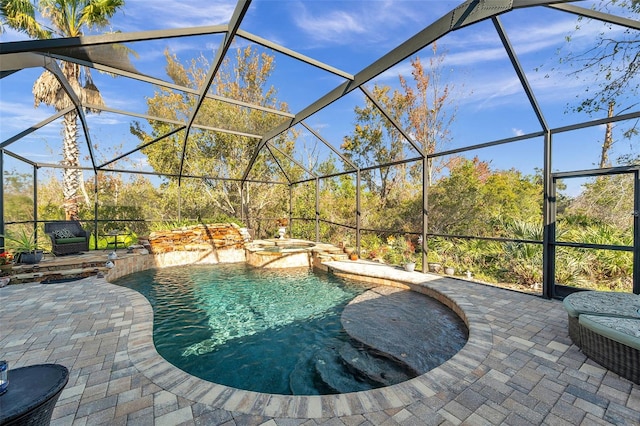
x=358, y=212
x=2, y=230
x=317, y=210
x=636, y=232
x=549, y=223
x=95, y=211
x=35, y=203
x=425, y=210
x=242, y=202
x=290, y=211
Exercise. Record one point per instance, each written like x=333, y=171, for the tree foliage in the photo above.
x=63, y=18
x=219, y=157
x=375, y=141
x=610, y=70
x=473, y=199
x=430, y=109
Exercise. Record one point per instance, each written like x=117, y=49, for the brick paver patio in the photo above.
x=519, y=367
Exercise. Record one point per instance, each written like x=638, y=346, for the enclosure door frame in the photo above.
x=551, y=288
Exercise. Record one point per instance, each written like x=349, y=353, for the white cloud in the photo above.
x=367, y=23
x=18, y=116
x=478, y=65
x=334, y=27
x=517, y=132
x=174, y=13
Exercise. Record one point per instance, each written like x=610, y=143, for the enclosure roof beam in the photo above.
x=600, y=16
x=293, y=54
x=278, y=163
x=4, y=74
x=135, y=114
x=519, y=4
x=144, y=145
x=238, y=14
x=520, y=73
x=172, y=121
x=44, y=45
x=18, y=61
x=464, y=15
x=19, y=157
x=293, y=160
x=134, y=172
x=161, y=83
x=596, y=172
x=487, y=144
x=597, y=122
x=173, y=175
x=53, y=68
x=36, y=126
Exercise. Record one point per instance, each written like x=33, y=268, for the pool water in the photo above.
x=249, y=328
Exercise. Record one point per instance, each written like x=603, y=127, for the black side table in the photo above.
x=115, y=235
x=32, y=394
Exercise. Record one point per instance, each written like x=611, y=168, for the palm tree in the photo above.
x=65, y=18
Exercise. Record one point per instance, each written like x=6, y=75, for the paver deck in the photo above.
x=519, y=366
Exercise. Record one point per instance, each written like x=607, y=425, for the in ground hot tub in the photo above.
x=280, y=253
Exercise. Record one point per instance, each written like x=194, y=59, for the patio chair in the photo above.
x=67, y=237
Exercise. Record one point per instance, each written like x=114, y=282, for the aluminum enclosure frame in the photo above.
x=43, y=53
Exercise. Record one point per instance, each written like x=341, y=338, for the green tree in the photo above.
x=18, y=199
x=606, y=200
x=63, y=18
x=430, y=108
x=456, y=201
x=375, y=140
x=220, y=156
x=475, y=200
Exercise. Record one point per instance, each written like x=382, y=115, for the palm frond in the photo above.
x=45, y=89
x=48, y=90
x=97, y=12
x=90, y=93
x=20, y=15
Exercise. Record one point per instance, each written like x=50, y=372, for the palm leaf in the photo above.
x=20, y=15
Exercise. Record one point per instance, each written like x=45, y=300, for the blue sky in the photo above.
x=349, y=35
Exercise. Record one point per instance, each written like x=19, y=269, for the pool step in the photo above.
x=343, y=368
x=301, y=379
x=372, y=367
x=333, y=372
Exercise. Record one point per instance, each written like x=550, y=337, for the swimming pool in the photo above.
x=255, y=329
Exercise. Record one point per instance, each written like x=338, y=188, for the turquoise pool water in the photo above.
x=272, y=331
x=245, y=327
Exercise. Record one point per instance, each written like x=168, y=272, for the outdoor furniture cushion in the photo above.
x=605, y=303
x=63, y=233
x=70, y=240
x=622, y=330
x=613, y=343
x=602, y=303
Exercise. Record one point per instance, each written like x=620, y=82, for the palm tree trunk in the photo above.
x=71, y=158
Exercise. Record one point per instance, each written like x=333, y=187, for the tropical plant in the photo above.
x=64, y=18
x=408, y=250
x=22, y=241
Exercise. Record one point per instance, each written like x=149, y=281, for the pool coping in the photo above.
x=462, y=369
